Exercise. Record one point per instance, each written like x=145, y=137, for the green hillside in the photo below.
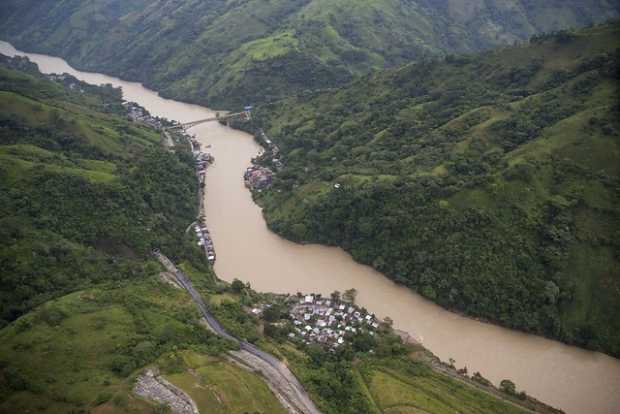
x=84, y=193
x=489, y=183
x=227, y=53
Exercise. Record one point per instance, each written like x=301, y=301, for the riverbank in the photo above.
x=572, y=379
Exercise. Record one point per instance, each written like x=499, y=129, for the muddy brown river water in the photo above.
x=567, y=377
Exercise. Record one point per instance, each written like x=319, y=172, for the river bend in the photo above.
x=567, y=377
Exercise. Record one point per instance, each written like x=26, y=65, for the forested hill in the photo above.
x=489, y=183
x=227, y=53
x=85, y=194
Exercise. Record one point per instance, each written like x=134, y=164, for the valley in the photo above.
x=229, y=53
x=313, y=268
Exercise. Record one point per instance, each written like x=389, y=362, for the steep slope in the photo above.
x=227, y=53
x=489, y=183
x=85, y=194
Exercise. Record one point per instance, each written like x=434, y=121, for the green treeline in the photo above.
x=489, y=183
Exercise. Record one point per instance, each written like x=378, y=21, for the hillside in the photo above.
x=85, y=194
x=230, y=53
x=489, y=183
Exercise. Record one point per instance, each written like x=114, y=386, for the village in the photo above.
x=202, y=161
x=271, y=149
x=137, y=113
x=329, y=322
x=204, y=240
x=257, y=176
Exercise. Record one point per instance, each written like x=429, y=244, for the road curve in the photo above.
x=294, y=394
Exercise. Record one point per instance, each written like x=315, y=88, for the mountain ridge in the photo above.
x=226, y=54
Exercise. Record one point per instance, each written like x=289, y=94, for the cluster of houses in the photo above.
x=271, y=149
x=138, y=114
x=257, y=177
x=329, y=322
x=66, y=79
x=204, y=240
x=194, y=143
x=203, y=160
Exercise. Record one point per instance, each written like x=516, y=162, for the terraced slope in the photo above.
x=227, y=53
x=489, y=183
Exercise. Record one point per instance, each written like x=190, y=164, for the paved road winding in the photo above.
x=293, y=392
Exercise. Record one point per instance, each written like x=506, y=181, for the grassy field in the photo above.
x=83, y=351
x=80, y=351
x=220, y=387
x=397, y=392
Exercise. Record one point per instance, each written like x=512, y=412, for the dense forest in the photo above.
x=229, y=53
x=85, y=194
x=489, y=183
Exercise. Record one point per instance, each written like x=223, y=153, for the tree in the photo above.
x=335, y=295
x=552, y=292
x=508, y=387
x=55, y=120
x=272, y=313
x=273, y=331
x=350, y=295
x=237, y=286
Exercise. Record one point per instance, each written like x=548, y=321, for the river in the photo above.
x=567, y=377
